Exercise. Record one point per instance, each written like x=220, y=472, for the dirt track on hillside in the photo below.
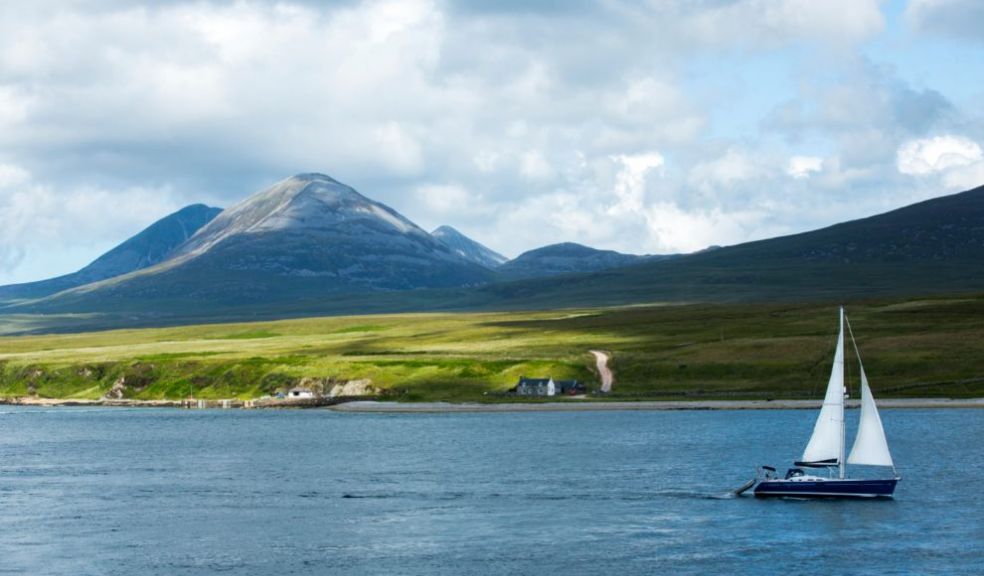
x=607, y=378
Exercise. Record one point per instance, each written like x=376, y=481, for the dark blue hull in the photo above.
x=827, y=488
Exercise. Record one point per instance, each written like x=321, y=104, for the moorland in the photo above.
x=928, y=347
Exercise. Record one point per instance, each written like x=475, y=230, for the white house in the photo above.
x=547, y=387
x=535, y=387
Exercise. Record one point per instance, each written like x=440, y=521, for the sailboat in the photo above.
x=826, y=446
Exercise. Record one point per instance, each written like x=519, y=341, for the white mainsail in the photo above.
x=827, y=442
x=870, y=445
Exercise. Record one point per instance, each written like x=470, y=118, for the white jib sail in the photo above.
x=870, y=445
x=826, y=442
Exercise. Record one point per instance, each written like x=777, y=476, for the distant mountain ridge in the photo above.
x=932, y=247
x=310, y=245
x=564, y=258
x=152, y=245
x=468, y=248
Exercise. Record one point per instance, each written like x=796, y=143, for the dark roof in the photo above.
x=536, y=381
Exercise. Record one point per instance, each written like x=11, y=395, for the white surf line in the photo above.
x=606, y=375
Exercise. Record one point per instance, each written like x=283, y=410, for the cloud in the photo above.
x=770, y=23
x=35, y=217
x=712, y=176
x=677, y=230
x=398, y=150
x=937, y=154
x=955, y=162
x=14, y=106
x=630, y=181
x=445, y=199
x=525, y=123
x=947, y=18
x=800, y=167
x=626, y=202
x=964, y=177
x=533, y=166
x=12, y=176
x=866, y=108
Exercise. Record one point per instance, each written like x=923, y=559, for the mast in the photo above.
x=843, y=429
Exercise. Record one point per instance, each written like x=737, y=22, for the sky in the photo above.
x=640, y=126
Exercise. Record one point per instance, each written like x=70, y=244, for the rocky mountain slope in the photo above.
x=468, y=248
x=308, y=236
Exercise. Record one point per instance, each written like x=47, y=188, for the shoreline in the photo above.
x=196, y=404
x=364, y=406
x=384, y=407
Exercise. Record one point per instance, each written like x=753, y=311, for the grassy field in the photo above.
x=911, y=348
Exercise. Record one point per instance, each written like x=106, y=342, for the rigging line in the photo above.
x=857, y=352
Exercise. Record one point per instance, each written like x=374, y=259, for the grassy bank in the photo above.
x=912, y=348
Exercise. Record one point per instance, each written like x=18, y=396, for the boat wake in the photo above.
x=624, y=497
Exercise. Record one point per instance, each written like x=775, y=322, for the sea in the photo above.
x=195, y=492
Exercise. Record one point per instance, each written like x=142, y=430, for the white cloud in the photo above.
x=800, y=167
x=937, y=154
x=712, y=177
x=775, y=22
x=533, y=166
x=394, y=16
x=674, y=229
x=12, y=176
x=589, y=122
x=35, y=217
x=444, y=199
x=14, y=106
x=486, y=161
x=398, y=149
x=630, y=181
x=965, y=177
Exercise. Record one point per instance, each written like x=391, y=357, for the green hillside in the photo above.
x=912, y=348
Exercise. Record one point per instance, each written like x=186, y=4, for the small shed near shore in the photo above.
x=299, y=393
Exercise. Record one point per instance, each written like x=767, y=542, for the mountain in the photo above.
x=468, y=248
x=564, y=258
x=933, y=247
x=152, y=245
x=280, y=261
x=308, y=236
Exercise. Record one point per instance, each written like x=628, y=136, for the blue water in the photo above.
x=116, y=491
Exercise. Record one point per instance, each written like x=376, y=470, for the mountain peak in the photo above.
x=445, y=230
x=312, y=184
x=302, y=204
x=309, y=232
x=313, y=176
